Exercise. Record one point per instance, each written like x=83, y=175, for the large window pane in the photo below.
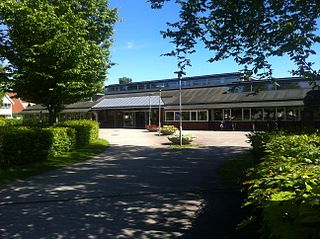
x=236, y=114
x=269, y=113
x=246, y=114
x=193, y=115
x=280, y=113
x=169, y=116
x=186, y=115
x=292, y=113
x=256, y=114
x=218, y=114
x=176, y=115
x=227, y=114
x=203, y=115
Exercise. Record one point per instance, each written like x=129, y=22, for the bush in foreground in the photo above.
x=168, y=129
x=22, y=145
x=87, y=131
x=285, y=185
x=186, y=138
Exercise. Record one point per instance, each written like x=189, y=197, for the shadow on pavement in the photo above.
x=126, y=192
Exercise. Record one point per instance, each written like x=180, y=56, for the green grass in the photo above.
x=235, y=169
x=184, y=146
x=23, y=171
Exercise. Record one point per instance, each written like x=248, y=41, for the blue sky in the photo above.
x=138, y=46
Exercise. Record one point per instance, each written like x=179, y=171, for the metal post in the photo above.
x=159, y=112
x=180, y=111
x=149, y=118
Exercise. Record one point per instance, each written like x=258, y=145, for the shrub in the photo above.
x=22, y=145
x=10, y=122
x=152, y=128
x=168, y=129
x=186, y=138
x=86, y=131
x=285, y=185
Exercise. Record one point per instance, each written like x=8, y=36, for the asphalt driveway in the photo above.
x=138, y=188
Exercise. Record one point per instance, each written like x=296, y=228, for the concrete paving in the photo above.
x=138, y=188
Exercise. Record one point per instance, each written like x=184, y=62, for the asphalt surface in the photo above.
x=138, y=188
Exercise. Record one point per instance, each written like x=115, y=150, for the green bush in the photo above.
x=22, y=145
x=168, y=129
x=10, y=122
x=186, y=138
x=285, y=185
x=87, y=131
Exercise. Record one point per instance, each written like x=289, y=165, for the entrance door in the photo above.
x=140, y=120
x=128, y=119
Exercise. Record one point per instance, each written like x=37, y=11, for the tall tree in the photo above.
x=57, y=50
x=125, y=80
x=250, y=31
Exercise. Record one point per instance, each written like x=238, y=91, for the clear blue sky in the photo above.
x=138, y=45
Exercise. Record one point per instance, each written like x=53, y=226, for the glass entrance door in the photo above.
x=128, y=119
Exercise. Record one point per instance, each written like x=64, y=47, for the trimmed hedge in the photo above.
x=87, y=131
x=10, y=122
x=22, y=145
x=285, y=184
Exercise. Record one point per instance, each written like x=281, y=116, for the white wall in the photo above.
x=6, y=111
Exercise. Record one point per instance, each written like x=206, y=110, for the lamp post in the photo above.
x=159, y=111
x=180, y=111
x=149, y=118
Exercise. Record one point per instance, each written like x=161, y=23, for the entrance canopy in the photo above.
x=129, y=102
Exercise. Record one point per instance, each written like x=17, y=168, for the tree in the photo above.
x=57, y=50
x=249, y=31
x=125, y=80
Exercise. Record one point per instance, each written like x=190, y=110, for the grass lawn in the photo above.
x=20, y=172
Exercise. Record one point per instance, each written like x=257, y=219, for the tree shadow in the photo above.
x=126, y=192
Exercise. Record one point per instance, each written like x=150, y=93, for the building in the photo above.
x=214, y=102
x=6, y=107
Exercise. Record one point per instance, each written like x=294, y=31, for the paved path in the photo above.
x=139, y=188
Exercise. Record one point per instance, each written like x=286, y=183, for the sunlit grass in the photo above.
x=21, y=172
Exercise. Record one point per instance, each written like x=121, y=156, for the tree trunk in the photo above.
x=53, y=113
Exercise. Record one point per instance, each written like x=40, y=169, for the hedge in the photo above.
x=22, y=145
x=285, y=184
x=87, y=131
x=10, y=122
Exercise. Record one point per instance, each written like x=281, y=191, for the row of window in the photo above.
x=6, y=106
x=238, y=114
x=214, y=81
x=266, y=114
x=194, y=115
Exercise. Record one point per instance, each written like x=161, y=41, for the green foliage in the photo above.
x=248, y=31
x=22, y=145
x=186, y=138
x=125, y=80
x=86, y=130
x=168, y=129
x=57, y=51
x=285, y=184
x=10, y=122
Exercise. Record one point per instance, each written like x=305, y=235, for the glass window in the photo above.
x=203, y=115
x=257, y=113
x=218, y=114
x=236, y=114
x=269, y=113
x=193, y=115
x=259, y=87
x=288, y=85
x=169, y=116
x=132, y=87
x=227, y=114
x=247, y=88
x=176, y=115
x=246, y=114
x=186, y=115
x=280, y=113
x=292, y=113
x=141, y=87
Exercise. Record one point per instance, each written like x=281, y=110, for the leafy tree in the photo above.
x=249, y=31
x=125, y=80
x=57, y=50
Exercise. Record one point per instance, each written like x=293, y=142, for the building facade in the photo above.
x=6, y=107
x=213, y=102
